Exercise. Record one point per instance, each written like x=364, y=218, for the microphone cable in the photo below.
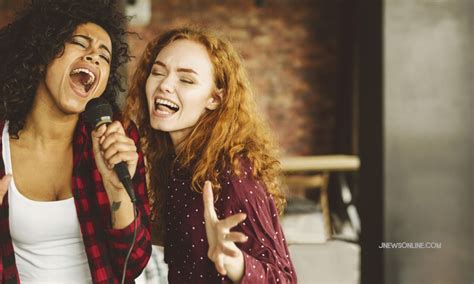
x=135, y=214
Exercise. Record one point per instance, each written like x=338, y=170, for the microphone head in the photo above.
x=98, y=111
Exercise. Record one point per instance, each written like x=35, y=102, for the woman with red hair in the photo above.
x=204, y=140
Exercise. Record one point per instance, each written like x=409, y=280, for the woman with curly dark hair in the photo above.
x=64, y=215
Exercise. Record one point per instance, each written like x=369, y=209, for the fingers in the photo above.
x=115, y=126
x=233, y=220
x=4, y=182
x=97, y=133
x=108, y=139
x=208, y=198
x=128, y=157
x=225, y=238
x=220, y=239
x=105, y=131
x=115, y=146
x=228, y=251
x=222, y=227
x=236, y=237
x=221, y=253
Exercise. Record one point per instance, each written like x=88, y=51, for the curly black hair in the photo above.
x=37, y=36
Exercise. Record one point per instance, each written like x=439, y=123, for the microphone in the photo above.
x=98, y=111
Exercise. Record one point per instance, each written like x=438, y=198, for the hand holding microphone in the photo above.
x=113, y=150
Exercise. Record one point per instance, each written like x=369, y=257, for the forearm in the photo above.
x=120, y=234
x=121, y=207
x=120, y=241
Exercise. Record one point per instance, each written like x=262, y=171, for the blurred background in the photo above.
x=372, y=105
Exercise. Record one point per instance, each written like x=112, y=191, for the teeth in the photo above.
x=91, y=75
x=166, y=103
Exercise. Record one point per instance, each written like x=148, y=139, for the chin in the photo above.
x=73, y=109
x=159, y=125
x=161, y=128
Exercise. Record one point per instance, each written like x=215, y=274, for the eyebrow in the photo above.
x=89, y=39
x=187, y=70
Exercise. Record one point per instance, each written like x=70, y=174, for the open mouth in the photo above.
x=165, y=106
x=83, y=78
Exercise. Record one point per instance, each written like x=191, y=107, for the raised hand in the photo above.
x=4, y=182
x=227, y=257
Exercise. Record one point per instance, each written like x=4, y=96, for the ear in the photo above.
x=215, y=100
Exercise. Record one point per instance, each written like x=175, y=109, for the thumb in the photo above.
x=4, y=182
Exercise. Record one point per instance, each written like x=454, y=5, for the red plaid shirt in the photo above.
x=106, y=248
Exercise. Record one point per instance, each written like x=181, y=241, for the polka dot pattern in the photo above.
x=265, y=252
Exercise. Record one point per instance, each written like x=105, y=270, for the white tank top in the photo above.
x=46, y=235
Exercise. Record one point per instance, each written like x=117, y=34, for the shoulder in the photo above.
x=242, y=186
x=242, y=192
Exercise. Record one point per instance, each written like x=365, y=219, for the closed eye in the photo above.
x=79, y=43
x=157, y=73
x=105, y=58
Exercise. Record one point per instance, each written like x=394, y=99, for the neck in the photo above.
x=46, y=126
x=177, y=138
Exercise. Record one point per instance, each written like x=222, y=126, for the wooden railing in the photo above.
x=313, y=172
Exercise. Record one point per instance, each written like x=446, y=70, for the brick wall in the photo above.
x=291, y=51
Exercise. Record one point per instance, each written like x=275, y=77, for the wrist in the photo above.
x=113, y=184
x=115, y=191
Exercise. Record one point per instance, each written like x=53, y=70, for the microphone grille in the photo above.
x=98, y=111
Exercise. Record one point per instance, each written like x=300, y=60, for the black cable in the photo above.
x=135, y=214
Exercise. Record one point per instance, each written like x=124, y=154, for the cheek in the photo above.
x=196, y=105
x=201, y=98
x=54, y=70
x=103, y=81
x=150, y=87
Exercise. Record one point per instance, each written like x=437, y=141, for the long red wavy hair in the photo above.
x=220, y=138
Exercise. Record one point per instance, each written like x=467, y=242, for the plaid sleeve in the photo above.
x=119, y=240
x=8, y=271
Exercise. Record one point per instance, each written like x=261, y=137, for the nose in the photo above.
x=167, y=84
x=94, y=59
